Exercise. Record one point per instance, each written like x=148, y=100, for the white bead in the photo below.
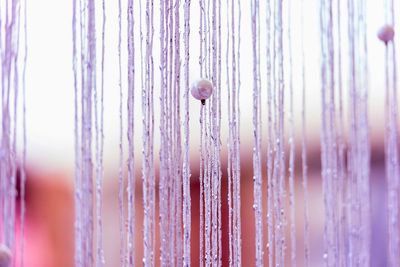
x=202, y=89
x=386, y=34
x=5, y=256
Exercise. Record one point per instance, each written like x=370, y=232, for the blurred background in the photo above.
x=50, y=136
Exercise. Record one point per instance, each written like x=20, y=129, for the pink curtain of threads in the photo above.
x=187, y=75
x=159, y=64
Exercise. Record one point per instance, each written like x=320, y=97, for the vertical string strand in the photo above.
x=218, y=60
x=354, y=208
x=16, y=90
x=91, y=88
x=83, y=22
x=214, y=114
x=177, y=142
x=270, y=143
x=230, y=142
x=279, y=165
x=237, y=177
x=170, y=129
x=342, y=189
x=202, y=192
x=257, y=178
x=186, y=155
x=304, y=146
x=130, y=253
x=359, y=136
x=209, y=115
x=98, y=121
x=391, y=141
x=164, y=166
x=203, y=205
x=329, y=156
x=121, y=187
x=292, y=152
x=148, y=182
x=233, y=141
x=363, y=140
x=78, y=193
x=24, y=140
x=99, y=201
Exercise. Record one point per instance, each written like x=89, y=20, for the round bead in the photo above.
x=5, y=256
x=386, y=34
x=202, y=89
